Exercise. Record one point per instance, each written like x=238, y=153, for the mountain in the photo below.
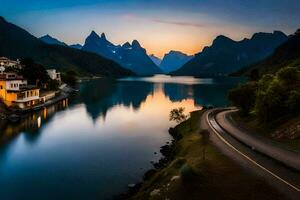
x=131, y=56
x=18, y=43
x=225, y=55
x=155, y=59
x=51, y=40
x=174, y=60
x=76, y=46
x=287, y=54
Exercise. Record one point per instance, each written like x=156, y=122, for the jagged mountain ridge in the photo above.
x=131, y=56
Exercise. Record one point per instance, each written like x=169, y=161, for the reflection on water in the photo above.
x=186, y=80
x=95, y=144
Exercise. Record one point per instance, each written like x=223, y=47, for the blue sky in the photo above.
x=160, y=26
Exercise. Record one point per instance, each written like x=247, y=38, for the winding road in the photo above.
x=278, y=166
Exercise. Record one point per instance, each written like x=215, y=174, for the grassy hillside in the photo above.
x=18, y=43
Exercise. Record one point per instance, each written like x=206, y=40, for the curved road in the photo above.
x=277, y=166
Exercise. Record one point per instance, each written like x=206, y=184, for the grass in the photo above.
x=278, y=131
x=200, y=171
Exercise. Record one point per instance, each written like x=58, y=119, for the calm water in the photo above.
x=95, y=144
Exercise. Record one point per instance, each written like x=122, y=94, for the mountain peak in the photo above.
x=51, y=40
x=177, y=53
x=103, y=36
x=222, y=38
x=46, y=36
x=93, y=34
x=126, y=45
x=135, y=44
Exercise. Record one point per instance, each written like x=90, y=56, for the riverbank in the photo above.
x=192, y=167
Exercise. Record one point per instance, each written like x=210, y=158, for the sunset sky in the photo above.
x=160, y=26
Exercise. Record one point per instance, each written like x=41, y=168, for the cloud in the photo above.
x=130, y=16
x=178, y=23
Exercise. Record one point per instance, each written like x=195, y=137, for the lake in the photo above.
x=94, y=144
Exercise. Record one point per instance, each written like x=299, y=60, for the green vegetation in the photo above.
x=177, y=115
x=34, y=73
x=271, y=106
x=272, y=97
x=244, y=96
x=198, y=170
x=69, y=77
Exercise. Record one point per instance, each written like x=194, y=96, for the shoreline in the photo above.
x=14, y=115
x=168, y=156
x=193, y=166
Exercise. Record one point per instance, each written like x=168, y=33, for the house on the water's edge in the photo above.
x=18, y=95
x=14, y=91
x=54, y=75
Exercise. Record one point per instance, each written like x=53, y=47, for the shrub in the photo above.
x=244, y=96
x=270, y=103
x=293, y=102
x=187, y=173
x=289, y=76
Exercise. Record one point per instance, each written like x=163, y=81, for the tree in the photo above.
x=289, y=76
x=177, y=115
x=69, y=78
x=35, y=73
x=254, y=75
x=244, y=97
x=293, y=102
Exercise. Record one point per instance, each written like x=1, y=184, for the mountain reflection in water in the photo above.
x=108, y=133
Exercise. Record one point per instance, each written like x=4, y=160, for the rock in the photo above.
x=149, y=174
x=132, y=185
x=175, y=178
x=155, y=192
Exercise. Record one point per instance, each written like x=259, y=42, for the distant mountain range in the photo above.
x=155, y=59
x=18, y=43
x=76, y=46
x=226, y=55
x=173, y=61
x=131, y=56
x=287, y=54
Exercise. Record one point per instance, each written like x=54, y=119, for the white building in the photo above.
x=5, y=62
x=54, y=75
